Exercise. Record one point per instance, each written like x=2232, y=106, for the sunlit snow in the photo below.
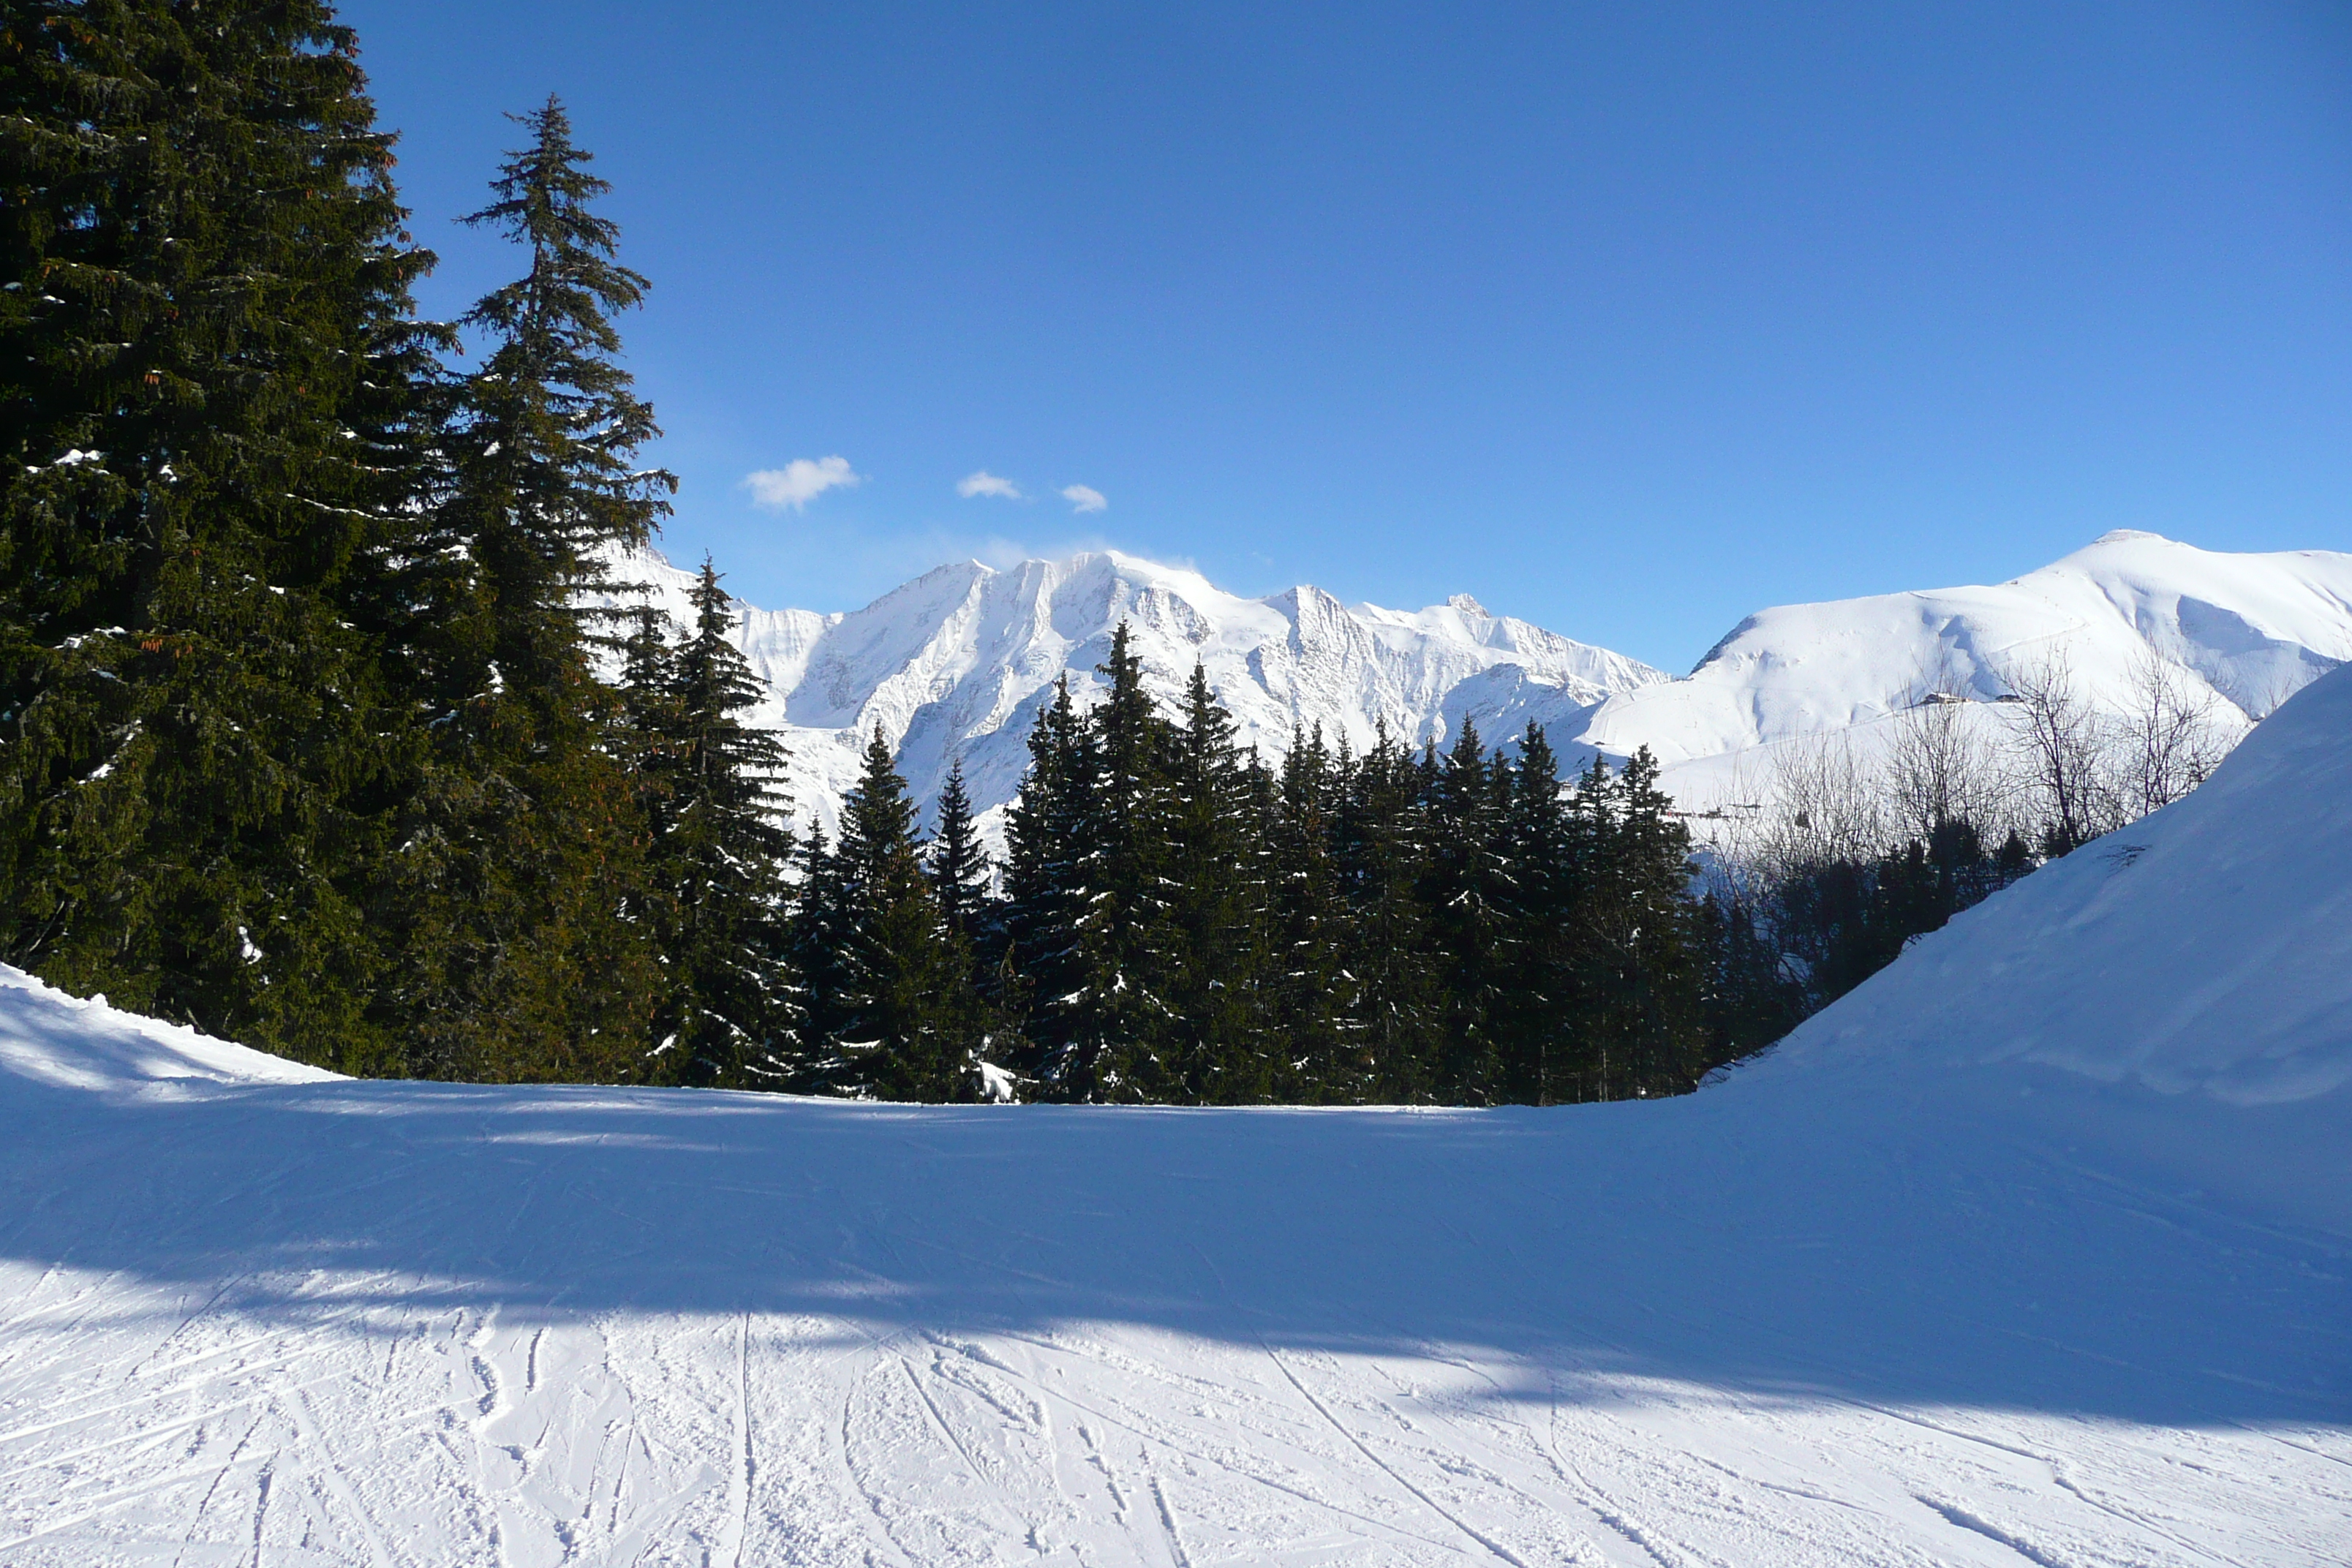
x=2033, y=1250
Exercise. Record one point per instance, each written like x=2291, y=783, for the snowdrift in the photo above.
x=53, y=1038
x=2206, y=949
x=2033, y=1250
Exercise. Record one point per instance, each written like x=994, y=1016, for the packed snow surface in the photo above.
x=2032, y=1251
x=956, y=664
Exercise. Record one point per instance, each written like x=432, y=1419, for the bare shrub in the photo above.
x=1940, y=766
x=2174, y=733
x=1828, y=804
x=2061, y=745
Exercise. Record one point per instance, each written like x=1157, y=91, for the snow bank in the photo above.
x=51, y=1037
x=2207, y=947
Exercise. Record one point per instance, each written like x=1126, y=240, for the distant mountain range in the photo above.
x=956, y=663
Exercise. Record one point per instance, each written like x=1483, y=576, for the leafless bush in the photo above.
x=2061, y=745
x=1940, y=766
x=2174, y=733
x=1828, y=804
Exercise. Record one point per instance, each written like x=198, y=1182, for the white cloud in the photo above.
x=985, y=483
x=799, y=482
x=1084, y=498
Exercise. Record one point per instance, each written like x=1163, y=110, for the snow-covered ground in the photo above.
x=2033, y=1250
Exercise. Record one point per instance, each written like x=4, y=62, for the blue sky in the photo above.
x=1628, y=318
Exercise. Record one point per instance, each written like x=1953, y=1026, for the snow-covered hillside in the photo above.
x=956, y=663
x=2240, y=632
x=2033, y=1250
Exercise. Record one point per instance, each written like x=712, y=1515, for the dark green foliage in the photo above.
x=1392, y=1007
x=1048, y=895
x=1640, y=959
x=1303, y=995
x=1118, y=1021
x=1211, y=1044
x=1532, y=1015
x=716, y=852
x=904, y=1021
x=959, y=866
x=1465, y=890
x=1189, y=927
x=207, y=380
x=523, y=900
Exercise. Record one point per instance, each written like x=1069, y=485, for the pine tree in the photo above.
x=1306, y=924
x=959, y=867
x=1123, y=838
x=522, y=895
x=208, y=450
x=1534, y=1010
x=1643, y=968
x=1461, y=889
x=1207, y=941
x=1047, y=894
x=1392, y=1002
x=718, y=855
x=818, y=934
x=911, y=1025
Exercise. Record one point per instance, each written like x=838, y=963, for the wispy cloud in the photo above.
x=1084, y=498
x=799, y=482
x=985, y=483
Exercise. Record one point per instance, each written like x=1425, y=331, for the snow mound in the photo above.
x=2207, y=947
x=68, y=1043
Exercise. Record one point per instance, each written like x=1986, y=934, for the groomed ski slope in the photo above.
x=2033, y=1251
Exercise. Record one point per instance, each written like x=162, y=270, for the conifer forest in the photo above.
x=325, y=725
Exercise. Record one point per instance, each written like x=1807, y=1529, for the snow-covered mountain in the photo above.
x=2030, y=1251
x=957, y=663
x=2241, y=631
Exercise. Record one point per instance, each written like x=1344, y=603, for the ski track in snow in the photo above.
x=295, y=1409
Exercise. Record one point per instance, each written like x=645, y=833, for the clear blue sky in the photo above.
x=1628, y=318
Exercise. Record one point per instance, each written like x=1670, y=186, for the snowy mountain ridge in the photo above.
x=957, y=663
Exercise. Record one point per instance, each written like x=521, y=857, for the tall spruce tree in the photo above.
x=818, y=938
x=909, y=1027
x=208, y=453
x=959, y=866
x=1047, y=898
x=1533, y=1013
x=1306, y=924
x=521, y=899
x=1123, y=834
x=1462, y=892
x=1644, y=973
x=716, y=858
x=1206, y=944
x=1393, y=1003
